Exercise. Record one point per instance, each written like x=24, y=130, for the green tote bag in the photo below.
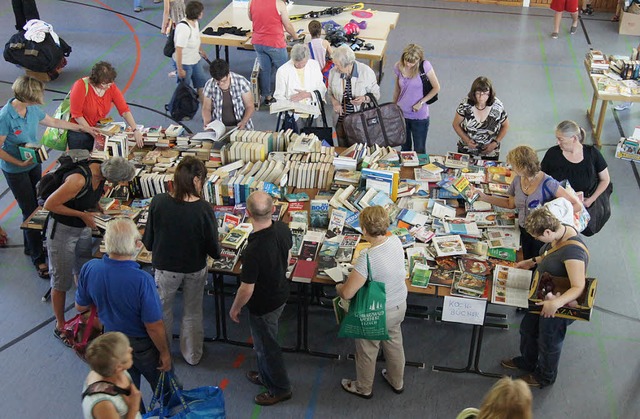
x=367, y=315
x=56, y=138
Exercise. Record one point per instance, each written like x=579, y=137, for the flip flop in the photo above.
x=62, y=337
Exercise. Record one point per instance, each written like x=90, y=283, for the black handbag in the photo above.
x=325, y=132
x=170, y=45
x=426, y=85
x=600, y=212
x=376, y=124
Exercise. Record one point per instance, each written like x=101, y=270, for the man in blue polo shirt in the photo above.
x=127, y=301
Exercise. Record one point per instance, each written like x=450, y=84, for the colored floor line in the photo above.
x=543, y=53
x=578, y=70
x=605, y=377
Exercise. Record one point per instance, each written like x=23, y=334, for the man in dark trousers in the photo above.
x=127, y=301
x=265, y=289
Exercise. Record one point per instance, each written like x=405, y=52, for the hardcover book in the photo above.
x=449, y=245
x=420, y=276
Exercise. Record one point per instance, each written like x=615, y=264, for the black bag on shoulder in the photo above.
x=184, y=102
x=69, y=161
x=170, y=45
x=426, y=84
x=600, y=212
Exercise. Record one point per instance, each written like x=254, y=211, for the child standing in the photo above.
x=320, y=47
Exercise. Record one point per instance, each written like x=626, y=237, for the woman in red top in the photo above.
x=269, y=17
x=91, y=100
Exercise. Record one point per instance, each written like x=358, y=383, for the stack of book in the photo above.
x=37, y=152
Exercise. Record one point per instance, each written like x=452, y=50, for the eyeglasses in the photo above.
x=482, y=93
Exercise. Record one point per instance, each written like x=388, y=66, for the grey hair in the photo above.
x=570, y=128
x=117, y=169
x=299, y=53
x=343, y=55
x=120, y=237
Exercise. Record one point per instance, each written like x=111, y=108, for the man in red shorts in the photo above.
x=560, y=6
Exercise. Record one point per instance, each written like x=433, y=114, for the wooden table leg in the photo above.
x=598, y=132
x=592, y=111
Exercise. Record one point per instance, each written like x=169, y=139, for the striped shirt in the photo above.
x=239, y=86
x=387, y=266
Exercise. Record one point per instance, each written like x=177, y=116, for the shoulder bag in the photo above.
x=376, y=124
x=56, y=138
x=367, y=315
x=82, y=329
x=426, y=85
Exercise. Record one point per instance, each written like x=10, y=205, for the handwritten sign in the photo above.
x=463, y=310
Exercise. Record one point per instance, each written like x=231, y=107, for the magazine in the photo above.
x=449, y=245
x=511, y=286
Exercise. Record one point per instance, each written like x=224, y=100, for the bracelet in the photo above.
x=135, y=129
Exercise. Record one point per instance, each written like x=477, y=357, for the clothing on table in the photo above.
x=481, y=132
x=126, y=298
x=87, y=104
x=267, y=25
x=387, y=265
x=89, y=402
x=541, y=339
x=583, y=176
x=181, y=234
x=393, y=349
x=271, y=368
x=266, y=258
x=125, y=295
x=290, y=79
x=238, y=87
x=191, y=326
x=318, y=51
x=17, y=131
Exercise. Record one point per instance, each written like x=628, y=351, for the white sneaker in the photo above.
x=623, y=106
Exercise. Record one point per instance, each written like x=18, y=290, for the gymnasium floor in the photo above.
x=541, y=82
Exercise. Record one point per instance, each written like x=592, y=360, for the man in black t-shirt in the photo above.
x=264, y=289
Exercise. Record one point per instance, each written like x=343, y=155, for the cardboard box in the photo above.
x=628, y=149
x=629, y=24
x=579, y=311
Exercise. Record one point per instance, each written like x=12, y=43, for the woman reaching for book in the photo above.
x=386, y=260
x=19, y=120
x=564, y=254
x=181, y=231
x=530, y=189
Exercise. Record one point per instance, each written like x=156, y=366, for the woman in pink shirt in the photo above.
x=270, y=18
x=91, y=99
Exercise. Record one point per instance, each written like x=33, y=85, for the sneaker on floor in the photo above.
x=531, y=380
x=554, y=35
x=573, y=30
x=623, y=106
x=508, y=363
x=138, y=9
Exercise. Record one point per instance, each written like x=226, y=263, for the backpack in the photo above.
x=104, y=387
x=426, y=84
x=170, y=45
x=184, y=102
x=41, y=57
x=68, y=162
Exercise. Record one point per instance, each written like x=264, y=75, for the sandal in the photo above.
x=386, y=379
x=43, y=272
x=615, y=19
x=350, y=387
x=62, y=336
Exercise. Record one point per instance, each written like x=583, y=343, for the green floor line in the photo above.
x=606, y=373
x=256, y=411
x=543, y=54
x=578, y=70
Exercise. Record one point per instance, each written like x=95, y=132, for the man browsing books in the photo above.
x=264, y=289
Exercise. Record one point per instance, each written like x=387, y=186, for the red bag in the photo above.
x=81, y=330
x=325, y=72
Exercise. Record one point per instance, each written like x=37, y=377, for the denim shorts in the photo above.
x=196, y=74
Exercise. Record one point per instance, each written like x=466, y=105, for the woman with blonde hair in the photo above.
x=530, y=189
x=507, y=399
x=409, y=95
x=385, y=257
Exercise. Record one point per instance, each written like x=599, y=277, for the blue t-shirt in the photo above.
x=18, y=131
x=125, y=295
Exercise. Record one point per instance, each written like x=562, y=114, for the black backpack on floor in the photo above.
x=184, y=102
x=68, y=162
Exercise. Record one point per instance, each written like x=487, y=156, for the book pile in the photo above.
x=37, y=152
x=237, y=237
x=597, y=62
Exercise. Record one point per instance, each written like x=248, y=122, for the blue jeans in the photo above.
x=196, y=76
x=541, y=342
x=23, y=186
x=137, y=3
x=264, y=332
x=146, y=360
x=269, y=57
x=79, y=140
x=417, y=130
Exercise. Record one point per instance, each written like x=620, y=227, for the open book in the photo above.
x=511, y=286
x=298, y=107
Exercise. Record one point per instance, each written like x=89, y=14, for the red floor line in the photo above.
x=138, y=49
x=223, y=383
x=238, y=361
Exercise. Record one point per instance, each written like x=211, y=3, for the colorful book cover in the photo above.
x=319, y=213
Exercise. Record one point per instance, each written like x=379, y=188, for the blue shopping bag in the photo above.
x=200, y=402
